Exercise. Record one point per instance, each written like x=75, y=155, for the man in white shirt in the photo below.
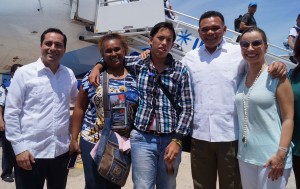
x=168, y=14
x=37, y=116
x=216, y=69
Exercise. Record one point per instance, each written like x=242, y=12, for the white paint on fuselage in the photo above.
x=22, y=23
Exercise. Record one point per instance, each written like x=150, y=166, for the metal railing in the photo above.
x=274, y=52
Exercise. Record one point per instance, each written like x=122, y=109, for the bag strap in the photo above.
x=105, y=133
x=105, y=95
x=167, y=93
x=106, y=105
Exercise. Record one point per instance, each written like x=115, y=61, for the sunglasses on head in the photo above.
x=254, y=44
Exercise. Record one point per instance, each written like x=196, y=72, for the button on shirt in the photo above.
x=153, y=102
x=37, y=110
x=215, y=78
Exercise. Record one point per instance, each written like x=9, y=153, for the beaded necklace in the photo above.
x=246, y=102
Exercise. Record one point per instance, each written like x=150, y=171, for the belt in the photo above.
x=152, y=132
x=155, y=133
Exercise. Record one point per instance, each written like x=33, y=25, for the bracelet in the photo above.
x=284, y=149
x=177, y=141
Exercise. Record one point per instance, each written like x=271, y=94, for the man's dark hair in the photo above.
x=54, y=30
x=209, y=14
x=298, y=16
x=15, y=67
x=160, y=25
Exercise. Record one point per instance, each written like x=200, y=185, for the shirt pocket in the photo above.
x=38, y=103
x=41, y=95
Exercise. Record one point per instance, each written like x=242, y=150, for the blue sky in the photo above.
x=275, y=17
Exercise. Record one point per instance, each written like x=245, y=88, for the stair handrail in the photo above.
x=229, y=30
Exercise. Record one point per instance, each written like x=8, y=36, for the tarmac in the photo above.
x=184, y=177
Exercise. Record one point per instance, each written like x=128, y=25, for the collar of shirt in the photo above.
x=41, y=66
x=219, y=47
x=170, y=63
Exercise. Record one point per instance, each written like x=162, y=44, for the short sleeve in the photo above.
x=293, y=32
x=85, y=82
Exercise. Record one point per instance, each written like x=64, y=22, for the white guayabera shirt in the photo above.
x=37, y=110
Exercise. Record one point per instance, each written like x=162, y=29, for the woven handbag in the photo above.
x=113, y=164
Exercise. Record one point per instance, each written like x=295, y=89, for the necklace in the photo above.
x=245, y=104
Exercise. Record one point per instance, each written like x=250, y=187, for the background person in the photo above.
x=248, y=19
x=294, y=33
x=113, y=49
x=265, y=112
x=8, y=156
x=295, y=81
x=169, y=14
x=37, y=113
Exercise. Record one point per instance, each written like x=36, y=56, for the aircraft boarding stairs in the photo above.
x=135, y=18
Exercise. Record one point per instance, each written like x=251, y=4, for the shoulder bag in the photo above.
x=113, y=164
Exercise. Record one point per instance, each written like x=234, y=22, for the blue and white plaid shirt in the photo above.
x=153, y=101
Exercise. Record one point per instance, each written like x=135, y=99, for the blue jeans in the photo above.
x=148, y=165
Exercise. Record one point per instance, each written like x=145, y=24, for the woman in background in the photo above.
x=295, y=81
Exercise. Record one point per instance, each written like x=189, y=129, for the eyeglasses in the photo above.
x=255, y=44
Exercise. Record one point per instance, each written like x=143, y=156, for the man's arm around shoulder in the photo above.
x=94, y=77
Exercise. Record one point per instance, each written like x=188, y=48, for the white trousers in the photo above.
x=256, y=177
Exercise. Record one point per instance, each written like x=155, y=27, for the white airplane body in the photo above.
x=22, y=23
